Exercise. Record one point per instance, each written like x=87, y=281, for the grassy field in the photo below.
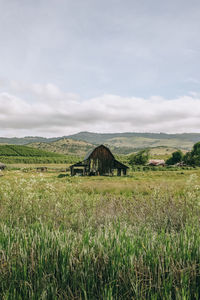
x=134, y=237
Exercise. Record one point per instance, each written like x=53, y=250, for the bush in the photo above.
x=193, y=158
x=140, y=158
x=176, y=157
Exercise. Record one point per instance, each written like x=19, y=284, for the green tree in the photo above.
x=193, y=158
x=196, y=149
x=176, y=157
x=188, y=159
x=140, y=158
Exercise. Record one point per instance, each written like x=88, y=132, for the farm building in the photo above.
x=99, y=161
x=2, y=166
x=156, y=162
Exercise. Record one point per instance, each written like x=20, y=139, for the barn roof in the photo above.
x=79, y=164
x=90, y=152
x=120, y=165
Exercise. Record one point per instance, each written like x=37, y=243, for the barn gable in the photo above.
x=99, y=152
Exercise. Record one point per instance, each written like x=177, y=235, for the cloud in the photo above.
x=141, y=47
x=34, y=109
x=192, y=80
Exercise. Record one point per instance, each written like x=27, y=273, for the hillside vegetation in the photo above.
x=24, y=154
x=18, y=150
x=64, y=146
x=162, y=152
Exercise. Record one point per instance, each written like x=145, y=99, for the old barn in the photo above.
x=99, y=161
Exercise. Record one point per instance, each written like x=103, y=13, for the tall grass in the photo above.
x=75, y=238
x=114, y=261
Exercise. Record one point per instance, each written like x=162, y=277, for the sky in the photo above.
x=102, y=66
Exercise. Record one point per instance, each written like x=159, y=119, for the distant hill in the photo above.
x=162, y=152
x=64, y=146
x=119, y=143
x=102, y=137
x=76, y=147
x=139, y=140
x=80, y=148
x=25, y=140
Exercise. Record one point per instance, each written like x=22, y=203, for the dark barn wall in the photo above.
x=101, y=160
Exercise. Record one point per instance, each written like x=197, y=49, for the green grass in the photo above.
x=133, y=237
x=65, y=159
x=10, y=154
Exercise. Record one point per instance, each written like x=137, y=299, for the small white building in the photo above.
x=156, y=162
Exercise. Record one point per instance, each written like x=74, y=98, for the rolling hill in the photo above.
x=76, y=147
x=25, y=140
x=120, y=143
x=64, y=146
x=139, y=140
x=79, y=148
x=162, y=152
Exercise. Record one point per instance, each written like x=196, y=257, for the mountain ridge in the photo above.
x=122, y=143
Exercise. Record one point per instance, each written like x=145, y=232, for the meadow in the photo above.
x=134, y=237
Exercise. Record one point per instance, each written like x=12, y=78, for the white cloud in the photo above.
x=192, y=80
x=46, y=110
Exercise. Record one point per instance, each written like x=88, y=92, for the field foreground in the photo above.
x=135, y=237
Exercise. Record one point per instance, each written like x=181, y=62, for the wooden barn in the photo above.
x=99, y=161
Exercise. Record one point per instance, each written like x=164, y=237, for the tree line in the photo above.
x=191, y=158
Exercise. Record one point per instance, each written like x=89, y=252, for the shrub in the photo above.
x=176, y=157
x=193, y=158
x=140, y=158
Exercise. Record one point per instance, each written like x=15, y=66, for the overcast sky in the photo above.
x=99, y=65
